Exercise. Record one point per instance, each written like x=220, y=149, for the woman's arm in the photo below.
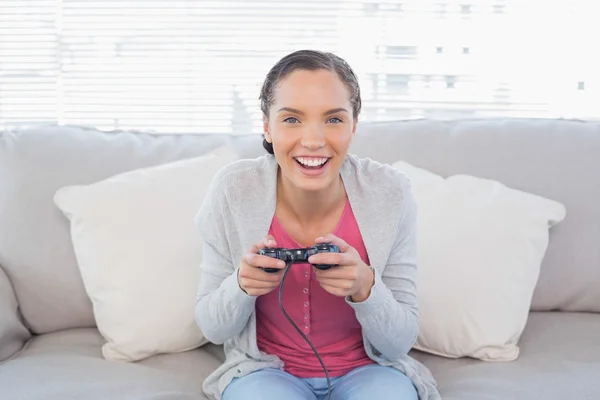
x=222, y=307
x=389, y=316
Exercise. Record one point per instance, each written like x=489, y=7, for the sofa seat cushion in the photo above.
x=69, y=365
x=560, y=359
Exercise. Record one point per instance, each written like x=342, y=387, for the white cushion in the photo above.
x=480, y=246
x=138, y=251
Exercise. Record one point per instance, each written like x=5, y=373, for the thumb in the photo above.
x=269, y=241
x=331, y=238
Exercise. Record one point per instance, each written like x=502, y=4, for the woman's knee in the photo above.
x=394, y=385
x=267, y=384
x=375, y=381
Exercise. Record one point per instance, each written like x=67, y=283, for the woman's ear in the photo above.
x=354, y=126
x=267, y=133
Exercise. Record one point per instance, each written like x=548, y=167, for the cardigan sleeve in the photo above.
x=389, y=316
x=222, y=308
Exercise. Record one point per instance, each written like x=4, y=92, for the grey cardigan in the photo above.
x=238, y=211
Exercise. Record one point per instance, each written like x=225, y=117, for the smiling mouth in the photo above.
x=312, y=163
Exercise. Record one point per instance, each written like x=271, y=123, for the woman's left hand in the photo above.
x=351, y=277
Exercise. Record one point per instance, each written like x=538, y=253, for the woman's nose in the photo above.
x=313, y=137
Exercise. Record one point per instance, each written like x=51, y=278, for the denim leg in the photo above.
x=374, y=382
x=268, y=384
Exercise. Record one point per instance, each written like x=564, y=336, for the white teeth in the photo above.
x=312, y=162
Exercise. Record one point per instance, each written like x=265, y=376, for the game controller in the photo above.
x=300, y=255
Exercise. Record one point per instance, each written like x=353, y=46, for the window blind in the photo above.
x=187, y=66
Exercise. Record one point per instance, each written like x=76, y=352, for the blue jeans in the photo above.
x=369, y=382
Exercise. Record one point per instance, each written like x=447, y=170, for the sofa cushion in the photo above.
x=13, y=333
x=69, y=365
x=560, y=359
x=35, y=245
x=136, y=243
x=480, y=245
x=556, y=159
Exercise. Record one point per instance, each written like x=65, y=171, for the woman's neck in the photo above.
x=310, y=206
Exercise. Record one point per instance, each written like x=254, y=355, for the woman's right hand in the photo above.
x=252, y=279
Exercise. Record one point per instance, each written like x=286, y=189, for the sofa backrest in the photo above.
x=557, y=159
x=35, y=246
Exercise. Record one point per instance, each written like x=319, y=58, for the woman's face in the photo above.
x=311, y=126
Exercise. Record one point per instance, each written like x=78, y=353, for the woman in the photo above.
x=357, y=319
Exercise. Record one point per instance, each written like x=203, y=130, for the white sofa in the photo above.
x=50, y=347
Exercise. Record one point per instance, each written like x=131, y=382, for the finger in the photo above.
x=335, y=290
x=257, y=284
x=331, y=238
x=332, y=259
x=337, y=273
x=258, y=260
x=259, y=274
x=336, y=283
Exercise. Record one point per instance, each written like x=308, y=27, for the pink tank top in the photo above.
x=327, y=320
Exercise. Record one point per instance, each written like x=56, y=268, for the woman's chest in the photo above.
x=304, y=235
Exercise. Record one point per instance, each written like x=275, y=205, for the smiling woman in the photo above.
x=350, y=327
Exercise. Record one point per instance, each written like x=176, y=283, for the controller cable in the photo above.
x=287, y=269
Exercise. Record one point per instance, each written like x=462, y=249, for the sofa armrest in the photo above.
x=13, y=334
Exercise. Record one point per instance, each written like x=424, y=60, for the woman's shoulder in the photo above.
x=247, y=172
x=241, y=183
x=377, y=175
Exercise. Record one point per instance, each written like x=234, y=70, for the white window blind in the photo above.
x=197, y=66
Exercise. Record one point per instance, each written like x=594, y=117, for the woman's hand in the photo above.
x=351, y=277
x=252, y=279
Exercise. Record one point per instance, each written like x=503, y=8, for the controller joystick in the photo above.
x=299, y=255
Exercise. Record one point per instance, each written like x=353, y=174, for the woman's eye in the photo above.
x=291, y=120
x=335, y=120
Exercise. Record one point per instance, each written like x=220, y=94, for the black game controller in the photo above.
x=298, y=255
